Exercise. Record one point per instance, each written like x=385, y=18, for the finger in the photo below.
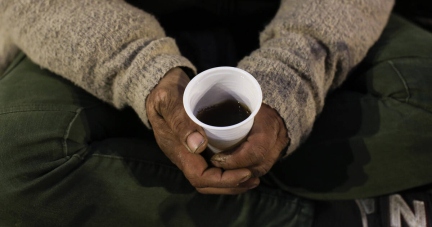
x=250, y=184
x=244, y=187
x=170, y=108
x=255, y=149
x=196, y=169
x=215, y=177
x=199, y=174
x=195, y=166
x=222, y=191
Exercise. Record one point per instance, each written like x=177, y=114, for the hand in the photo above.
x=262, y=148
x=182, y=140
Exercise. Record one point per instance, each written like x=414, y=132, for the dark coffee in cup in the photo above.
x=226, y=113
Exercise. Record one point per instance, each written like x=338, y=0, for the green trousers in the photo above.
x=68, y=159
x=374, y=135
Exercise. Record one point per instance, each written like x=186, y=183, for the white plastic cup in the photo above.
x=217, y=85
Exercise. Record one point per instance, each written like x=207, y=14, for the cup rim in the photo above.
x=205, y=73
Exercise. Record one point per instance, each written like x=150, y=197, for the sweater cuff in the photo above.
x=163, y=64
x=151, y=65
x=287, y=93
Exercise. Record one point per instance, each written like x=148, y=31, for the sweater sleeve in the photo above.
x=307, y=50
x=111, y=49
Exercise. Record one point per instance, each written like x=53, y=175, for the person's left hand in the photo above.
x=262, y=148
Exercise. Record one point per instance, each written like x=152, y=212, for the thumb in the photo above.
x=196, y=142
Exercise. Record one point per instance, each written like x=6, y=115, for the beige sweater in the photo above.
x=119, y=53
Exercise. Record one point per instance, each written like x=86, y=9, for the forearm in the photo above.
x=111, y=49
x=307, y=50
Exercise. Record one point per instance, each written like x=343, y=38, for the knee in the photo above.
x=33, y=143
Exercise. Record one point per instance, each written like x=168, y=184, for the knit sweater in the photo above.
x=119, y=53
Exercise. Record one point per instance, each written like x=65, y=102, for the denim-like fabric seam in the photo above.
x=402, y=79
x=34, y=107
x=417, y=107
x=80, y=155
x=399, y=58
x=22, y=111
x=66, y=134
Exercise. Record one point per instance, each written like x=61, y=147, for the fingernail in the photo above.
x=244, y=179
x=218, y=158
x=253, y=186
x=194, y=141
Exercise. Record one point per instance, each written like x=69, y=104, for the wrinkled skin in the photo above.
x=182, y=141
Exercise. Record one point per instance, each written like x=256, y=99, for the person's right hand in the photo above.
x=182, y=140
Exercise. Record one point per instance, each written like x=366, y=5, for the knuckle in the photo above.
x=260, y=171
x=163, y=101
x=191, y=175
x=178, y=123
x=222, y=182
x=259, y=152
x=189, y=171
x=196, y=182
x=161, y=96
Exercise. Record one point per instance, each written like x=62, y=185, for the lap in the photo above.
x=68, y=159
x=374, y=134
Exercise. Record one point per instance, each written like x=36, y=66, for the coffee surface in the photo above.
x=226, y=113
